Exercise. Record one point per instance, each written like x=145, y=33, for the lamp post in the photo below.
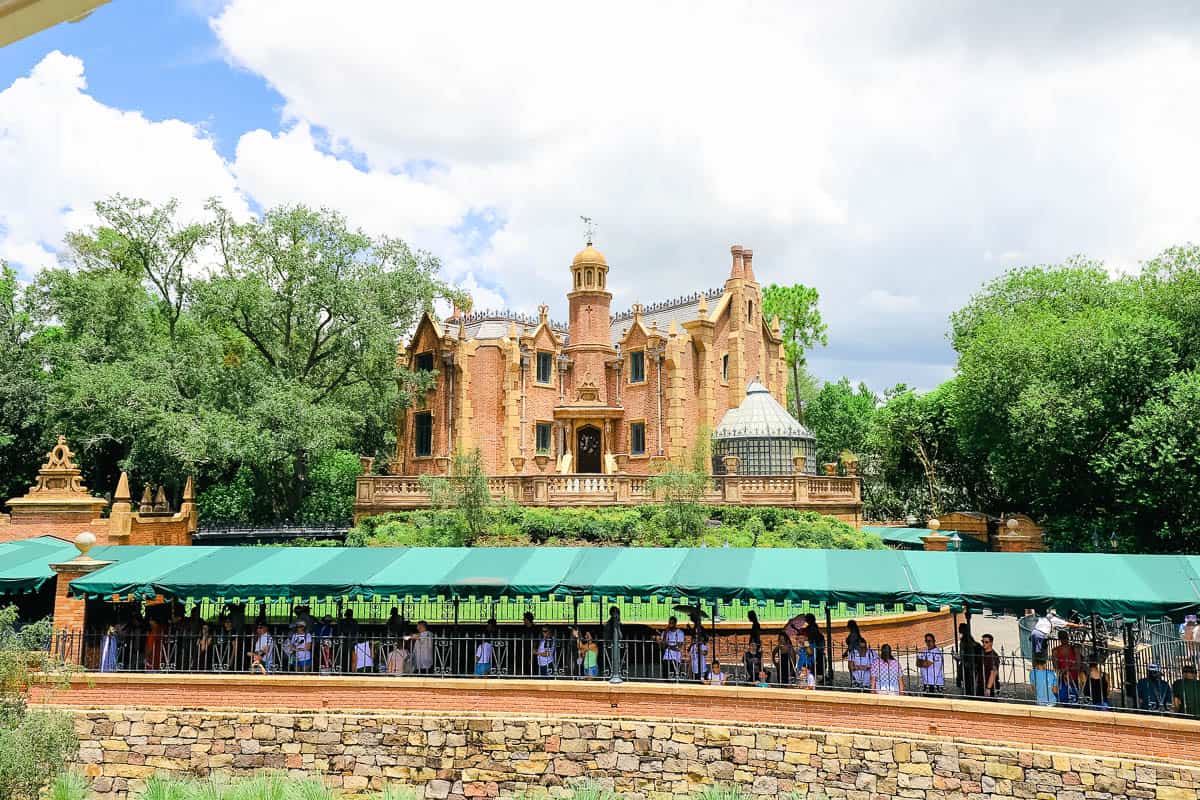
x=954, y=544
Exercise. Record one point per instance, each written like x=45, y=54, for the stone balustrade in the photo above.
x=838, y=496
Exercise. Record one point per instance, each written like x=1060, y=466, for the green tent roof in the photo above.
x=912, y=537
x=1108, y=584
x=25, y=564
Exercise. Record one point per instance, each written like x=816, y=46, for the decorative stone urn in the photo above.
x=518, y=463
x=799, y=463
x=365, y=464
x=731, y=464
x=830, y=468
x=541, y=460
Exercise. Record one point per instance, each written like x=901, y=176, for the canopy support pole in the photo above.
x=1095, y=638
x=828, y=645
x=1130, y=672
x=456, y=612
x=575, y=610
x=616, y=656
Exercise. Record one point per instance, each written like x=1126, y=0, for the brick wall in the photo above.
x=503, y=737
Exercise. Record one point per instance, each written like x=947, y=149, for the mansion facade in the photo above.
x=602, y=394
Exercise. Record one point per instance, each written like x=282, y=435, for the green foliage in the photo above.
x=592, y=791
x=255, y=355
x=465, y=491
x=722, y=792
x=649, y=525
x=840, y=417
x=682, y=485
x=330, y=496
x=35, y=743
x=68, y=785
x=802, y=328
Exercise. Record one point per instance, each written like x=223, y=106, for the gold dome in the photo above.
x=589, y=256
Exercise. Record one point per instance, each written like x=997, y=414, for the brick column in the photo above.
x=70, y=612
x=935, y=541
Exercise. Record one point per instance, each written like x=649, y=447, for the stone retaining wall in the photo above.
x=477, y=755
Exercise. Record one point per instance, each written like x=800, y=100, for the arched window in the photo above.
x=578, y=280
x=589, y=277
x=750, y=311
x=600, y=277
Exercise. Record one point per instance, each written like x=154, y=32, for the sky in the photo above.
x=893, y=155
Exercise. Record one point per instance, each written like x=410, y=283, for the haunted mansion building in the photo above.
x=604, y=393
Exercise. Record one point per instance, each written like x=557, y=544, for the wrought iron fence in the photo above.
x=569, y=653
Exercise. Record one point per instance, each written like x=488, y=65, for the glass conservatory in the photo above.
x=764, y=437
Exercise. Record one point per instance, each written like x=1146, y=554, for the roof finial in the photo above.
x=589, y=228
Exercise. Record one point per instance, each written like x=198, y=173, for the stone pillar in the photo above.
x=733, y=489
x=70, y=612
x=935, y=541
x=120, y=518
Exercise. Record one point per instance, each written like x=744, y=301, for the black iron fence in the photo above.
x=1119, y=680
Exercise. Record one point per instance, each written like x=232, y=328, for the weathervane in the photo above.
x=589, y=228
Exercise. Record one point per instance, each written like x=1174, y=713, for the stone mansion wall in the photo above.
x=645, y=742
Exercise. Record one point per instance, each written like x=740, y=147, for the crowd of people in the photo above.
x=798, y=655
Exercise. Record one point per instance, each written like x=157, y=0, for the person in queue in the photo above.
x=1068, y=664
x=589, y=654
x=671, y=642
x=989, y=661
x=886, y=675
x=1154, y=693
x=816, y=640
x=784, y=656
x=1044, y=682
x=546, y=652
x=859, y=661
x=1186, y=693
x=931, y=663
x=716, y=675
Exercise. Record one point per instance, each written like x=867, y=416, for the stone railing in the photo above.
x=377, y=494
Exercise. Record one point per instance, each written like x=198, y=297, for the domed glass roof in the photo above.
x=759, y=415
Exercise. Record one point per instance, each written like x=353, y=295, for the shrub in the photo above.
x=330, y=495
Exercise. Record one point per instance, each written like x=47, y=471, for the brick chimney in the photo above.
x=736, y=271
x=747, y=264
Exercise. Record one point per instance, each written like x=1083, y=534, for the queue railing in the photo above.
x=560, y=656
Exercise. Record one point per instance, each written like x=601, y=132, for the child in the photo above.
x=1044, y=682
x=806, y=679
x=764, y=680
x=483, y=658
x=716, y=677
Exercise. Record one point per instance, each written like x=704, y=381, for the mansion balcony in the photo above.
x=834, y=495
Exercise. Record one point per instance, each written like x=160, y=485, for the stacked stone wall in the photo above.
x=475, y=755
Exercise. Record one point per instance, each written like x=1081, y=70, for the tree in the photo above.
x=249, y=372
x=466, y=491
x=802, y=327
x=35, y=743
x=23, y=388
x=1154, y=466
x=840, y=419
x=681, y=487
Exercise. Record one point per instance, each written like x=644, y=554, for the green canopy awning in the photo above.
x=25, y=564
x=913, y=538
x=1110, y=584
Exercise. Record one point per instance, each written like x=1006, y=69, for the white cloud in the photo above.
x=894, y=156
x=853, y=148
x=61, y=150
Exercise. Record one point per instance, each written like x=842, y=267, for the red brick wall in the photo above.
x=1030, y=727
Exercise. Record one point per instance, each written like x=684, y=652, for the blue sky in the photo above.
x=894, y=155
x=161, y=58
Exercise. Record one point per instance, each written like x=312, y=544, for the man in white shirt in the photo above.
x=264, y=648
x=930, y=662
x=716, y=676
x=1042, y=631
x=671, y=640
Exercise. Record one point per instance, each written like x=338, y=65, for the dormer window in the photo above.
x=637, y=366
x=545, y=367
x=424, y=362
